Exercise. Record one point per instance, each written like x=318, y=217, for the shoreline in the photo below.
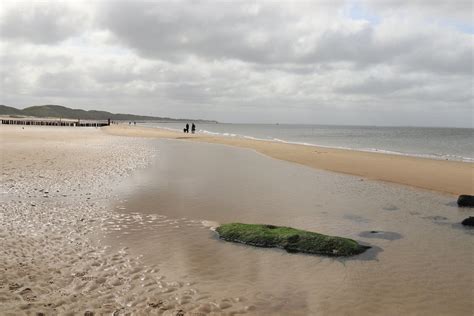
x=368, y=150
x=443, y=176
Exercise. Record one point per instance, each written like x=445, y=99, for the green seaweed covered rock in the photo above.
x=290, y=239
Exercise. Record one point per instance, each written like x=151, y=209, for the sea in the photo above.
x=429, y=142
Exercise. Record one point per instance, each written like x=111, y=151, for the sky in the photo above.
x=368, y=62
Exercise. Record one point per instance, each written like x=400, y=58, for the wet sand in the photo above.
x=56, y=189
x=421, y=260
x=449, y=177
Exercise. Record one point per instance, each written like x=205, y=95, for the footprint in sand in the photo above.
x=27, y=294
x=14, y=286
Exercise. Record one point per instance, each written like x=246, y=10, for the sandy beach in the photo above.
x=194, y=158
x=114, y=221
x=56, y=189
x=449, y=177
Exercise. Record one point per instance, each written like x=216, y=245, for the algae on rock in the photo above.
x=290, y=239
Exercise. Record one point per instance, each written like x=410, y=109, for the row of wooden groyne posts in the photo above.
x=39, y=122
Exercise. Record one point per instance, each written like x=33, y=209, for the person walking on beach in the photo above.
x=193, y=128
x=186, y=129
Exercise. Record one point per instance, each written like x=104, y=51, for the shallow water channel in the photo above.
x=420, y=262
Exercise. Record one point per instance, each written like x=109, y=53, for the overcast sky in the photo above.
x=325, y=62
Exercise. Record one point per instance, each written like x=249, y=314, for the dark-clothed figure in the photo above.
x=186, y=129
x=193, y=128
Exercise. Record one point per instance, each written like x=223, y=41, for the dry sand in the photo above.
x=448, y=177
x=56, y=187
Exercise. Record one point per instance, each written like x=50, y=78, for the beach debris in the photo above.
x=468, y=221
x=290, y=239
x=466, y=200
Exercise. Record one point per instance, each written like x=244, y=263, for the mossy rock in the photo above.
x=466, y=200
x=290, y=239
x=468, y=221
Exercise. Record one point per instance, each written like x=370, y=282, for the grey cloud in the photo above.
x=416, y=51
x=410, y=89
x=190, y=93
x=174, y=31
x=443, y=61
x=41, y=22
x=112, y=71
x=378, y=86
x=68, y=82
x=456, y=94
x=236, y=61
x=457, y=10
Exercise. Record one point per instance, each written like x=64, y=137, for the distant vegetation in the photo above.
x=64, y=112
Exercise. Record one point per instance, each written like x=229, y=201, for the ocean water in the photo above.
x=437, y=143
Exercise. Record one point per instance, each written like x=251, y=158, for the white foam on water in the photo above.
x=210, y=224
x=372, y=150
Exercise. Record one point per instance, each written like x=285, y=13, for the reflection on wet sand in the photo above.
x=415, y=265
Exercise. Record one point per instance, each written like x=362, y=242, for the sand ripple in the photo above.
x=55, y=193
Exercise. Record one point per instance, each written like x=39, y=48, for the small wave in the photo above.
x=148, y=125
x=210, y=133
x=387, y=152
x=428, y=156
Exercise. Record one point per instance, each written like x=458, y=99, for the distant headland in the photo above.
x=59, y=111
